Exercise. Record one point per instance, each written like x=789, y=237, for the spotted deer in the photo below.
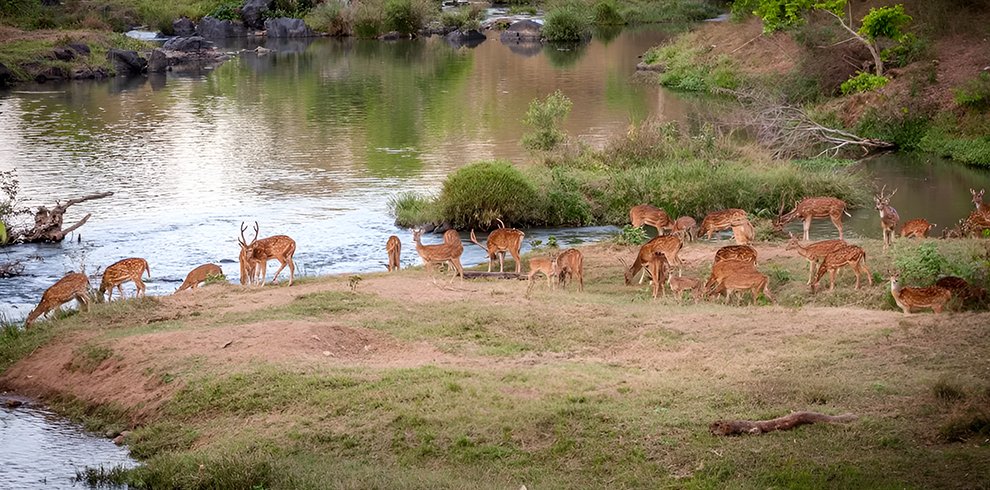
x=888, y=216
x=721, y=270
x=721, y=220
x=978, y=201
x=962, y=290
x=916, y=228
x=743, y=232
x=744, y=253
x=650, y=215
x=448, y=251
x=200, y=274
x=570, y=263
x=546, y=265
x=909, y=299
x=499, y=242
x=850, y=255
x=685, y=228
x=73, y=286
x=811, y=208
x=256, y=254
x=120, y=272
x=394, y=249
x=814, y=252
x=658, y=268
x=741, y=280
x=679, y=284
x=669, y=245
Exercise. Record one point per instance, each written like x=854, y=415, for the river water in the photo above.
x=312, y=141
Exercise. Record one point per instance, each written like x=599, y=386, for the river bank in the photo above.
x=413, y=382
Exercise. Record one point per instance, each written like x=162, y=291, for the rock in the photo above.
x=183, y=27
x=213, y=28
x=50, y=73
x=392, y=36
x=287, y=27
x=641, y=66
x=119, y=440
x=64, y=53
x=253, y=12
x=522, y=31
x=158, y=62
x=81, y=48
x=11, y=403
x=89, y=73
x=6, y=76
x=187, y=44
x=126, y=62
x=469, y=38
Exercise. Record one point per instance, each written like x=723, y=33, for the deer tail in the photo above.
x=846, y=213
x=147, y=268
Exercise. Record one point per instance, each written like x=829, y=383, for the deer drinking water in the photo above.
x=255, y=255
x=73, y=286
x=120, y=272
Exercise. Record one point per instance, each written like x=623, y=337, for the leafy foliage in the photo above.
x=863, y=82
x=885, y=22
x=545, y=117
x=631, y=235
x=476, y=195
x=228, y=10
x=463, y=18
x=975, y=94
x=329, y=17
x=606, y=12
x=567, y=23
x=921, y=266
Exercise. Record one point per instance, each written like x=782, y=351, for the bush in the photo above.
x=463, y=18
x=606, y=12
x=921, y=266
x=567, y=23
x=228, y=10
x=329, y=17
x=368, y=20
x=545, y=117
x=687, y=67
x=975, y=94
x=863, y=82
x=411, y=209
x=408, y=16
x=476, y=195
x=631, y=235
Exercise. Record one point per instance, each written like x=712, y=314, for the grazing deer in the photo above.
x=744, y=253
x=658, y=267
x=448, y=251
x=962, y=289
x=650, y=215
x=888, y=216
x=120, y=272
x=978, y=201
x=200, y=274
x=814, y=252
x=394, y=249
x=916, y=228
x=256, y=254
x=723, y=269
x=546, y=265
x=685, y=228
x=722, y=220
x=851, y=255
x=680, y=284
x=810, y=208
x=934, y=297
x=669, y=245
x=745, y=280
x=499, y=242
x=743, y=233
x=73, y=286
x=570, y=262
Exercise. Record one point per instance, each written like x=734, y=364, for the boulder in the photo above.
x=469, y=38
x=50, y=73
x=183, y=27
x=89, y=73
x=253, y=12
x=81, y=48
x=126, y=62
x=7, y=77
x=157, y=61
x=287, y=27
x=522, y=31
x=64, y=53
x=187, y=44
x=213, y=28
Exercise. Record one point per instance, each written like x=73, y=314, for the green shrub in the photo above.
x=687, y=67
x=606, y=12
x=463, y=18
x=411, y=209
x=228, y=10
x=912, y=48
x=368, y=20
x=522, y=9
x=329, y=17
x=921, y=266
x=975, y=94
x=631, y=235
x=476, y=195
x=545, y=117
x=567, y=23
x=863, y=82
x=903, y=123
x=400, y=17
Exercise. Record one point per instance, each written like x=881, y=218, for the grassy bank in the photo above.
x=403, y=383
x=30, y=54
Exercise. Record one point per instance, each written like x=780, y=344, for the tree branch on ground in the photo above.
x=48, y=223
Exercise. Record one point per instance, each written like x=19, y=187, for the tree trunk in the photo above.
x=48, y=223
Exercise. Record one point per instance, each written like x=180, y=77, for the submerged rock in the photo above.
x=287, y=27
x=187, y=44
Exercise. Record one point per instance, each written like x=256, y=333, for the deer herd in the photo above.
x=734, y=268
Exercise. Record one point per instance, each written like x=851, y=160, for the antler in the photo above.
x=500, y=223
x=242, y=240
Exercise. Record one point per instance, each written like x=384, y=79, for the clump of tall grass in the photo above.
x=606, y=12
x=478, y=194
x=331, y=17
x=463, y=18
x=567, y=22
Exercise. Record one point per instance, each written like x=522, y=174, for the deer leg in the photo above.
x=501, y=262
x=83, y=301
x=283, y=263
x=120, y=289
x=869, y=275
x=643, y=276
x=457, y=267
x=807, y=228
x=292, y=270
x=831, y=280
x=811, y=270
x=139, y=292
x=515, y=256
x=262, y=269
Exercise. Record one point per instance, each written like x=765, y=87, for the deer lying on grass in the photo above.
x=680, y=284
x=658, y=268
x=200, y=274
x=916, y=228
x=721, y=270
x=744, y=253
x=814, y=252
x=814, y=207
x=448, y=251
x=669, y=245
x=962, y=290
x=570, y=263
x=394, y=249
x=685, y=228
x=546, y=265
x=888, y=216
x=650, y=215
x=722, y=220
x=499, y=242
x=934, y=297
x=256, y=254
x=120, y=272
x=74, y=286
x=850, y=255
x=978, y=201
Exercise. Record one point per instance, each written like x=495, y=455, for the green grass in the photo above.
x=27, y=58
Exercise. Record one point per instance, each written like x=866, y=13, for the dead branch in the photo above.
x=48, y=223
x=787, y=422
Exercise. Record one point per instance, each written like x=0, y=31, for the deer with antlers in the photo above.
x=199, y=275
x=74, y=286
x=499, y=242
x=447, y=252
x=722, y=220
x=394, y=249
x=669, y=245
x=570, y=263
x=650, y=215
x=120, y=272
x=255, y=255
x=546, y=265
x=814, y=252
x=916, y=228
x=888, y=216
x=909, y=299
x=978, y=201
x=850, y=255
x=811, y=208
x=684, y=228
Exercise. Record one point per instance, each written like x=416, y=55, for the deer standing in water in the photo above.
x=120, y=272
x=814, y=252
x=650, y=215
x=256, y=254
x=850, y=255
x=722, y=220
x=499, y=242
x=934, y=297
x=916, y=228
x=448, y=251
x=394, y=249
x=570, y=263
x=815, y=207
x=73, y=286
x=888, y=216
x=200, y=274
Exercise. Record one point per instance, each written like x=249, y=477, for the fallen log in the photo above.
x=48, y=223
x=787, y=422
x=490, y=275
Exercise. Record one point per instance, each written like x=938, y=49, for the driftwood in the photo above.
x=490, y=275
x=48, y=222
x=11, y=269
x=787, y=422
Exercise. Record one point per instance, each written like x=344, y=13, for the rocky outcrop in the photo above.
x=64, y=53
x=524, y=31
x=287, y=27
x=89, y=73
x=80, y=48
x=213, y=28
x=469, y=38
x=126, y=62
x=183, y=27
x=254, y=11
x=157, y=61
x=187, y=44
